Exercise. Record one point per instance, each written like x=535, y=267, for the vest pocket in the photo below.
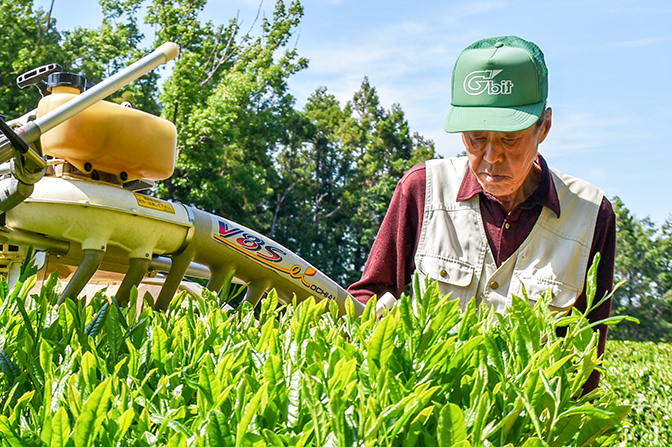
x=454, y=272
x=563, y=296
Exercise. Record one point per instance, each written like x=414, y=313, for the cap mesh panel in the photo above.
x=515, y=42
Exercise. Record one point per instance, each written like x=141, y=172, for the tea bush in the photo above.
x=640, y=374
x=424, y=374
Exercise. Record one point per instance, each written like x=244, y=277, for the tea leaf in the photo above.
x=535, y=442
x=350, y=311
x=8, y=433
x=272, y=438
x=93, y=412
x=591, y=282
x=381, y=343
x=452, y=427
x=125, y=422
x=88, y=370
x=113, y=331
x=294, y=398
x=206, y=382
x=160, y=347
x=178, y=439
x=94, y=327
x=273, y=374
x=8, y=367
x=20, y=405
x=60, y=429
x=417, y=427
x=249, y=413
x=217, y=431
x=593, y=427
x=46, y=358
x=268, y=306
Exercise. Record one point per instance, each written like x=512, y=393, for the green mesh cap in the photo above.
x=500, y=84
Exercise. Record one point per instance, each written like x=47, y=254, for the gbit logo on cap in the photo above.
x=482, y=81
x=500, y=84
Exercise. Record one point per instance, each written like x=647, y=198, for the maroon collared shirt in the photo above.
x=506, y=231
x=391, y=261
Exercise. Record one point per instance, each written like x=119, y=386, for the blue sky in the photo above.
x=609, y=73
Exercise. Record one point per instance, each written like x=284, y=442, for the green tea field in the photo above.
x=80, y=375
x=640, y=373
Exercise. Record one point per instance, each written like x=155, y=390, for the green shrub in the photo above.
x=640, y=374
x=303, y=375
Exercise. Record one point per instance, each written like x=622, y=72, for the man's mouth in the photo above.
x=494, y=178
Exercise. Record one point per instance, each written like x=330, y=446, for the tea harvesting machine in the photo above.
x=74, y=180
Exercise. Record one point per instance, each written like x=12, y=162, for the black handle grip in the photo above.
x=37, y=77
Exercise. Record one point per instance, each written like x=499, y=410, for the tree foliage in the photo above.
x=228, y=95
x=317, y=180
x=340, y=181
x=29, y=39
x=644, y=263
x=32, y=40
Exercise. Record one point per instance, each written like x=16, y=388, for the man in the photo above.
x=500, y=219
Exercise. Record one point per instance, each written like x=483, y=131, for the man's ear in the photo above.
x=464, y=139
x=546, y=125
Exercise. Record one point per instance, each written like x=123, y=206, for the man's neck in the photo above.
x=528, y=187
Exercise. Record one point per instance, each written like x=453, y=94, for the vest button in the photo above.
x=443, y=273
x=507, y=225
x=494, y=285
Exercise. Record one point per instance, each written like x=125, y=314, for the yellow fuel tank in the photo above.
x=111, y=138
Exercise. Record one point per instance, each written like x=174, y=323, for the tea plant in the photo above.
x=426, y=373
x=640, y=374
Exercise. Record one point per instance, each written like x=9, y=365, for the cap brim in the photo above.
x=492, y=119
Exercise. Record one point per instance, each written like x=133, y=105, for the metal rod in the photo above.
x=89, y=266
x=161, y=55
x=27, y=238
x=195, y=270
x=137, y=269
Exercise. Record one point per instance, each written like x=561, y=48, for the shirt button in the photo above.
x=443, y=273
x=507, y=225
x=494, y=285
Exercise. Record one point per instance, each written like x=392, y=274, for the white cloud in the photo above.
x=584, y=129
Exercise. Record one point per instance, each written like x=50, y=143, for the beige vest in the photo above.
x=453, y=248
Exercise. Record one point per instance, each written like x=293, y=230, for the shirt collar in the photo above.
x=545, y=194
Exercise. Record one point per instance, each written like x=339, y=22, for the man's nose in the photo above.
x=493, y=152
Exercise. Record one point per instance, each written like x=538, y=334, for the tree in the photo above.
x=310, y=216
x=634, y=257
x=228, y=94
x=100, y=52
x=644, y=263
x=384, y=152
x=345, y=179
x=29, y=39
x=32, y=40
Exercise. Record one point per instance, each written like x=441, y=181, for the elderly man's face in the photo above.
x=503, y=162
